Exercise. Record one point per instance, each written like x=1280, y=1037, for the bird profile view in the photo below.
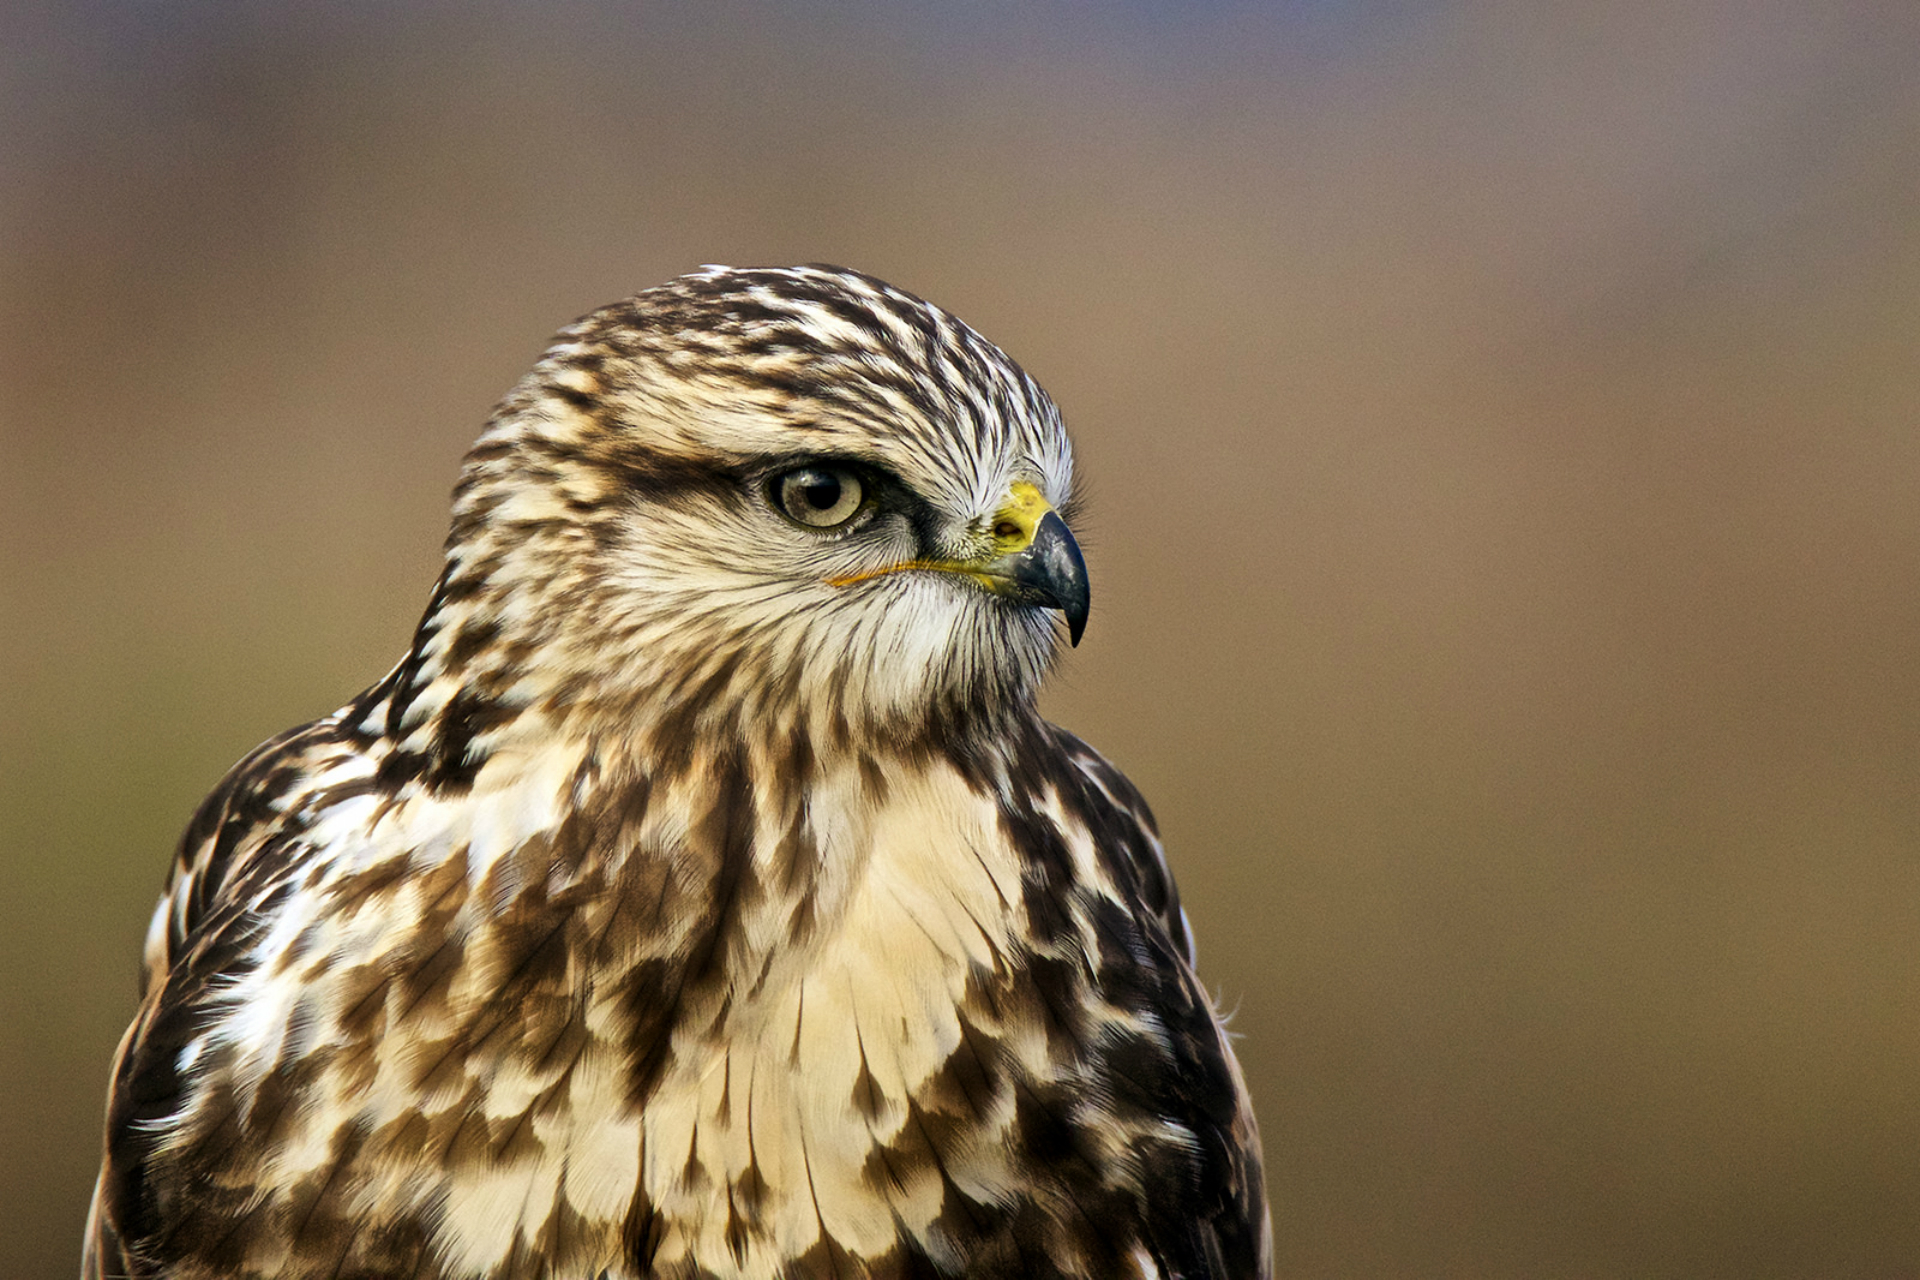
x=702, y=894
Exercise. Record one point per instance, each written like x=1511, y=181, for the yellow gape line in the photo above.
x=1012, y=530
x=848, y=579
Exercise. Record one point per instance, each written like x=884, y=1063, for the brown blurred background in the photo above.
x=1503, y=423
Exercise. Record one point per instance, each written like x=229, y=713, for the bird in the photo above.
x=702, y=894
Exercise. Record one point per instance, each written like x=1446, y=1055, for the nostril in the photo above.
x=1006, y=529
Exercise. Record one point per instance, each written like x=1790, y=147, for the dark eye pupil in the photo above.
x=819, y=497
x=821, y=493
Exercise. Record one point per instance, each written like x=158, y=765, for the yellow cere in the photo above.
x=1014, y=523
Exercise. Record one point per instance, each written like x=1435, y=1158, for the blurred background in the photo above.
x=1503, y=428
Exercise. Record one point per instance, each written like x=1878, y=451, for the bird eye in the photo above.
x=820, y=497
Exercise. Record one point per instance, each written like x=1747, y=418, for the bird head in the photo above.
x=785, y=494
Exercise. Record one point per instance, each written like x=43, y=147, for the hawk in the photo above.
x=702, y=894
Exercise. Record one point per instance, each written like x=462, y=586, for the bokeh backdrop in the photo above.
x=1503, y=428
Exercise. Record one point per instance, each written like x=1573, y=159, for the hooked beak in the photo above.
x=1033, y=560
x=1047, y=570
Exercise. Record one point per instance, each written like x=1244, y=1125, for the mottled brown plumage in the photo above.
x=701, y=895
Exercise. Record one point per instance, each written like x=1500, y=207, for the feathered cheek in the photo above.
x=921, y=637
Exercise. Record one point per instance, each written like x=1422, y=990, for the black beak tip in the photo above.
x=1062, y=573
